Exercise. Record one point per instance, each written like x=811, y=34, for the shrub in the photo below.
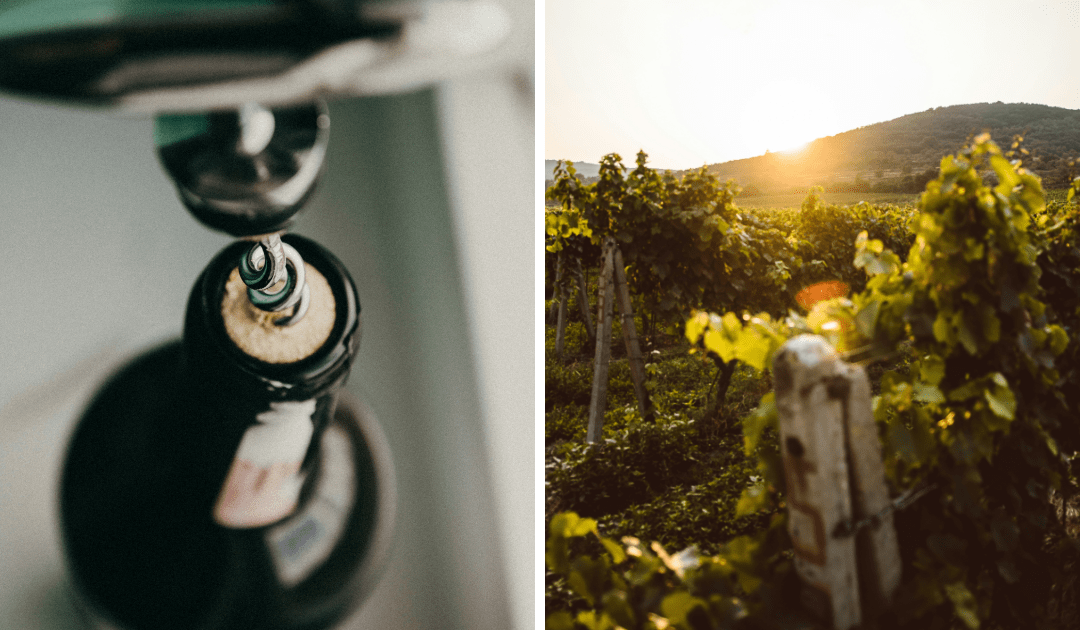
x=637, y=463
x=567, y=384
x=700, y=514
x=565, y=423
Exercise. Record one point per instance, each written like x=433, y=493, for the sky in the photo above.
x=695, y=82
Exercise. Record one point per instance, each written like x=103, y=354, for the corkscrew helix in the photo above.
x=269, y=263
x=248, y=172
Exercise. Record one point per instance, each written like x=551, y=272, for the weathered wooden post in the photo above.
x=598, y=403
x=561, y=295
x=633, y=350
x=838, y=507
x=555, y=289
x=583, y=299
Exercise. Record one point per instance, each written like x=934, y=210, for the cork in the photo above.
x=254, y=332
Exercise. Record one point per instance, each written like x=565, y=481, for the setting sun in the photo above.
x=694, y=82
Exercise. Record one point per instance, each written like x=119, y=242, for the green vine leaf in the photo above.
x=964, y=604
x=685, y=610
x=1002, y=402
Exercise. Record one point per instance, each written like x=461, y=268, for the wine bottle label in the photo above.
x=254, y=331
x=263, y=483
x=305, y=540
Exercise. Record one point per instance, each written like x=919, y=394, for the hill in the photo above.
x=900, y=155
x=584, y=169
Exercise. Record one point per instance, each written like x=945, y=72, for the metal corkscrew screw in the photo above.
x=270, y=263
x=247, y=172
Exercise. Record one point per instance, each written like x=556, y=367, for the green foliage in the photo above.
x=566, y=422
x=701, y=514
x=688, y=492
x=753, y=342
x=1059, y=226
x=567, y=391
x=978, y=411
x=686, y=244
x=567, y=384
x=831, y=232
x=629, y=584
x=636, y=463
x=979, y=415
x=682, y=239
x=679, y=382
x=575, y=338
x=568, y=237
x=562, y=225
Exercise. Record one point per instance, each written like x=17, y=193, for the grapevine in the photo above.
x=973, y=301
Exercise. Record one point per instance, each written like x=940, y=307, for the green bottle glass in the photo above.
x=225, y=480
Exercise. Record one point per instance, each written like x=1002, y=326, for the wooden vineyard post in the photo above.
x=561, y=297
x=598, y=403
x=555, y=288
x=877, y=549
x=583, y=299
x=633, y=351
x=834, y=478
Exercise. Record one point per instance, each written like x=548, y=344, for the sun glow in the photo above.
x=795, y=149
x=695, y=82
x=731, y=82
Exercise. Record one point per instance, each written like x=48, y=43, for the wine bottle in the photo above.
x=223, y=481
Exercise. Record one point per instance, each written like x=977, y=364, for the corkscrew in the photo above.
x=247, y=172
x=269, y=263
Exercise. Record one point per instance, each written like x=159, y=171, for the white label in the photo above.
x=264, y=481
x=304, y=541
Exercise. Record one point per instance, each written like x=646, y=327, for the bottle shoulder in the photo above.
x=133, y=522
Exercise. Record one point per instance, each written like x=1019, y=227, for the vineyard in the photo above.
x=665, y=492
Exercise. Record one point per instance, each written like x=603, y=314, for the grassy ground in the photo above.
x=1058, y=195
x=843, y=199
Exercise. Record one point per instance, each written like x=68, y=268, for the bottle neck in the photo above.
x=258, y=424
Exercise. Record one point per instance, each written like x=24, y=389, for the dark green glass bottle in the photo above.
x=223, y=482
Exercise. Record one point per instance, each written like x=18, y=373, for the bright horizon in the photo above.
x=694, y=82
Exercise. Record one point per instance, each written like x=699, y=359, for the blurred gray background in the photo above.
x=427, y=199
